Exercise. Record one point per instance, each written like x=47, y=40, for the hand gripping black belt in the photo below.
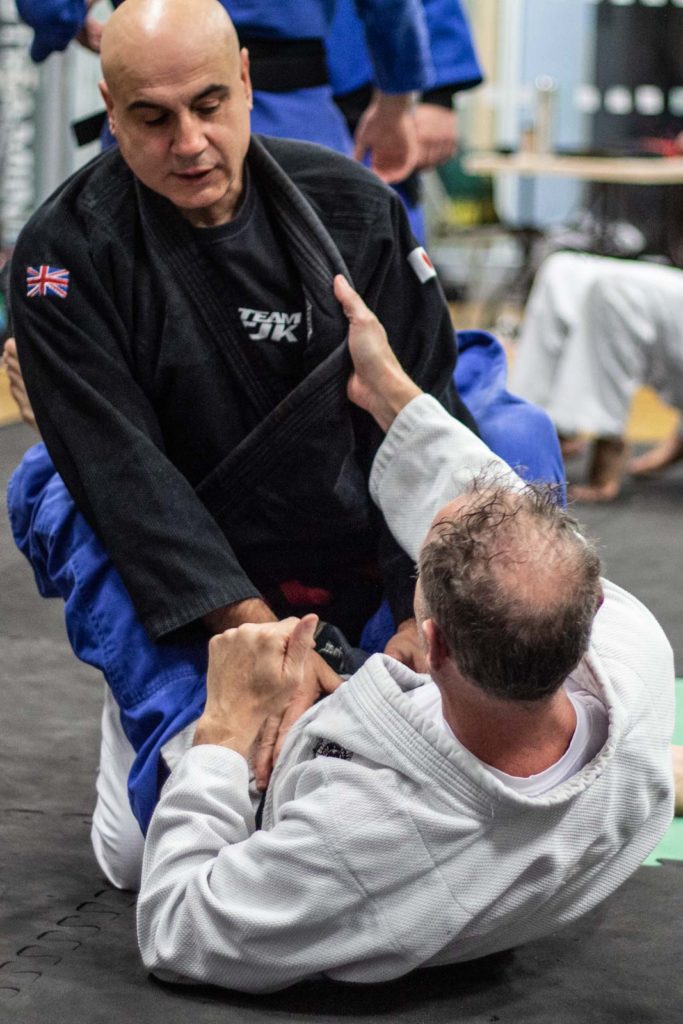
x=277, y=65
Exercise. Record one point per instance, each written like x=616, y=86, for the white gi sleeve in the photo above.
x=426, y=459
x=258, y=911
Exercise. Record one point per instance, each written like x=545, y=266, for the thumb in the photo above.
x=350, y=301
x=360, y=145
x=301, y=641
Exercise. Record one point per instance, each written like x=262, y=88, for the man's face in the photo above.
x=182, y=125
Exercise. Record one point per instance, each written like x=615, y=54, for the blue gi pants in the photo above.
x=160, y=688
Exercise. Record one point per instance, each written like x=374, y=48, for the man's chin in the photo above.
x=207, y=205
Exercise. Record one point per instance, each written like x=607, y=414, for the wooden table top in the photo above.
x=630, y=170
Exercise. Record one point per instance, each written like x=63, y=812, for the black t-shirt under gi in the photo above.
x=263, y=288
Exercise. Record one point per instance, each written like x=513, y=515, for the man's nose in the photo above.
x=188, y=138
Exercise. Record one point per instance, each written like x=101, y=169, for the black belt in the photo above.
x=281, y=65
x=276, y=65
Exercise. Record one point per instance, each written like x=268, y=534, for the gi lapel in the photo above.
x=309, y=435
x=314, y=252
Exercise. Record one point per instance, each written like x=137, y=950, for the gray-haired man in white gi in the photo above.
x=413, y=821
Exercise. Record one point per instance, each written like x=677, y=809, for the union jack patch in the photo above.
x=46, y=280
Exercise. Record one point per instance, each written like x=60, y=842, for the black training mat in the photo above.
x=67, y=941
x=641, y=541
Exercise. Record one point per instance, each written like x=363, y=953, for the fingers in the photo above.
x=302, y=638
x=277, y=666
x=9, y=352
x=264, y=754
x=391, y=161
x=437, y=134
x=10, y=361
x=392, y=168
x=405, y=647
x=328, y=680
x=301, y=702
x=316, y=681
x=359, y=147
x=343, y=293
x=350, y=301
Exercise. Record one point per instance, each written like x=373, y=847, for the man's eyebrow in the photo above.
x=220, y=91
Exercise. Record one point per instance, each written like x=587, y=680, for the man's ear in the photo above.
x=437, y=649
x=245, y=77
x=109, y=104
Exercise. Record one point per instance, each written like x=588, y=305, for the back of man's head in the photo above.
x=513, y=588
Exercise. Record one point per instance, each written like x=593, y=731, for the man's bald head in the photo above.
x=178, y=98
x=144, y=37
x=512, y=587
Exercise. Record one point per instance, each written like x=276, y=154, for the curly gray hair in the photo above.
x=513, y=587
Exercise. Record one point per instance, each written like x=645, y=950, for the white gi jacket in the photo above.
x=386, y=846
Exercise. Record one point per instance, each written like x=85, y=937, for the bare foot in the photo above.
x=572, y=445
x=10, y=361
x=658, y=458
x=677, y=754
x=605, y=473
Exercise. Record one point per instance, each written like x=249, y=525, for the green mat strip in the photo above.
x=671, y=846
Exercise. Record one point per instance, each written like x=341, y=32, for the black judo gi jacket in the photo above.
x=204, y=488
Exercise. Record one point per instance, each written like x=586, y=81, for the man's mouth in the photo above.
x=194, y=173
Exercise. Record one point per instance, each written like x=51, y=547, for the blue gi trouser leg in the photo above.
x=160, y=688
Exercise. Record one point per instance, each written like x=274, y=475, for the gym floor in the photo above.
x=67, y=940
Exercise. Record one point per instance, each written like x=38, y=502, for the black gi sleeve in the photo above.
x=418, y=324
x=76, y=353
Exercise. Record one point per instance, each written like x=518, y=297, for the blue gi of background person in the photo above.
x=292, y=94
x=455, y=67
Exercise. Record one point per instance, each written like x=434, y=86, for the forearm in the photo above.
x=427, y=459
x=233, y=714
x=397, y=39
x=236, y=732
x=396, y=391
x=230, y=616
x=451, y=46
x=222, y=904
x=204, y=807
x=210, y=883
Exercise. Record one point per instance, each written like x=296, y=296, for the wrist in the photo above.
x=396, y=102
x=253, y=609
x=397, y=391
x=214, y=732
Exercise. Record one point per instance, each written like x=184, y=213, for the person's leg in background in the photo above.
x=628, y=334
x=658, y=458
x=552, y=315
